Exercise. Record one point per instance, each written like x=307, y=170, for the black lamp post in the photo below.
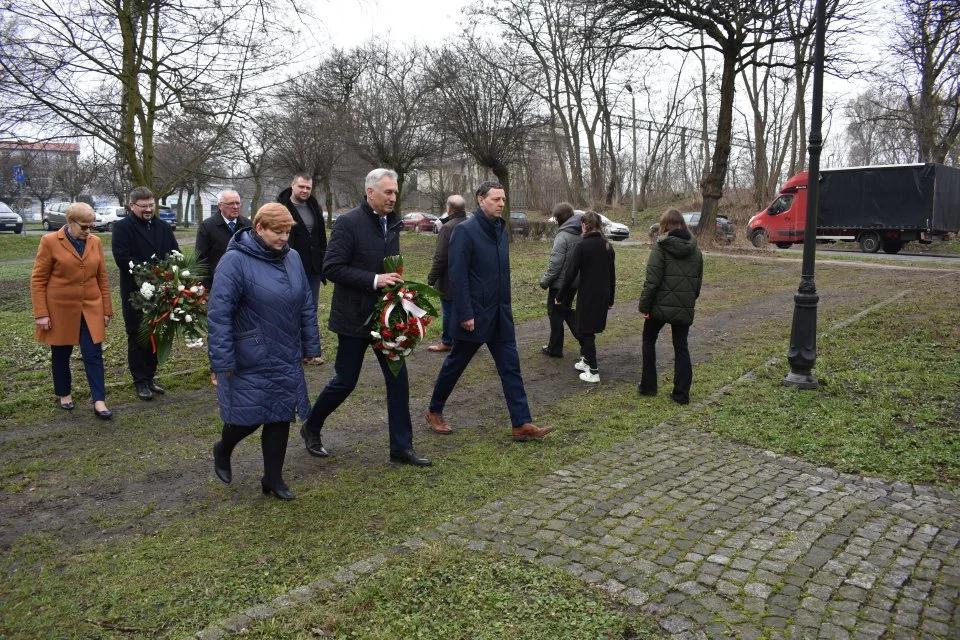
x=803, y=335
x=633, y=170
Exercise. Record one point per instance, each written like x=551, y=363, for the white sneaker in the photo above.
x=588, y=376
x=582, y=365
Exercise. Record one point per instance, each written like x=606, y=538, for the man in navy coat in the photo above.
x=482, y=313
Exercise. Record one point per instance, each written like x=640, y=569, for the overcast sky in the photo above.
x=345, y=23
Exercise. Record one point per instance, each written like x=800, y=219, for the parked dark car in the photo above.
x=168, y=215
x=418, y=221
x=520, y=223
x=726, y=231
x=10, y=220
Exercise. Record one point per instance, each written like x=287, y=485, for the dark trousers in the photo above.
x=508, y=366
x=92, y=363
x=315, y=280
x=588, y=349
x=350, y=352
x=273, y=442
x=682, y=367
x=558, y=314
x=447, y=307
x=141, y=359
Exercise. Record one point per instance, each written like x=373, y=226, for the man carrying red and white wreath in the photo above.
x=359, y=243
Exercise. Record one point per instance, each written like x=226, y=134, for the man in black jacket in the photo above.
x=439, y=276
x=140, y=237
x=214, y=233
x=360, y=241
x=309, y=236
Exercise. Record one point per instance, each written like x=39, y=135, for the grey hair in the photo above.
x=377, y=175
x=222, y=194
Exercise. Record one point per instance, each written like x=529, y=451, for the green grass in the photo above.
x=888, y=406
x=443, y=592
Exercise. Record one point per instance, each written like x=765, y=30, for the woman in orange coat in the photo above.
x=71, y=303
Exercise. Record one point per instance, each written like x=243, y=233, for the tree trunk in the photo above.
x=712, y=185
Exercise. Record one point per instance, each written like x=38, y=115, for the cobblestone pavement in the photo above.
x=718, y=540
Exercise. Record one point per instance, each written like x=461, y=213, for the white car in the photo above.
x=108, y=216
x=611, y=230
x=10, y=220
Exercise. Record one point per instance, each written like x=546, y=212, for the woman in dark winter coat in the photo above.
x=670, y=292
x=262, y=323
x=593, y=261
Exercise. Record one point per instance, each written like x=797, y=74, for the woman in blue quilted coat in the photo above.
x=670, y=292
x=262, y=324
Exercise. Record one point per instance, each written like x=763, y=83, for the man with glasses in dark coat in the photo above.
x=141, y=237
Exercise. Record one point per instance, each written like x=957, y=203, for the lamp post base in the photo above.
x=801, y=380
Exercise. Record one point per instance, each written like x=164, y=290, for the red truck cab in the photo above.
x=782, y=223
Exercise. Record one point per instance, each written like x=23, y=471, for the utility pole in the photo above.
x=633, y=170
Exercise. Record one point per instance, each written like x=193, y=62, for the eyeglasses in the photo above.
x=145, y=207
x=83, y=227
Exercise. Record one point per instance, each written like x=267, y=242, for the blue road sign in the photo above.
x=18, y=173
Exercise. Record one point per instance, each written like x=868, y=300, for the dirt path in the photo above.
x=78, y=495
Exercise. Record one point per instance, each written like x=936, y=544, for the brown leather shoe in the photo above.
x=530, y=431
x=437, y=423
x=439, y=347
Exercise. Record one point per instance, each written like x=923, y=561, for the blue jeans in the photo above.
x=92, y=363
x=506, y=358
x=447, y=307
x=350, y=352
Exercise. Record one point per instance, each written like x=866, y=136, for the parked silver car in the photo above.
x=55, y=216
x=10, y=220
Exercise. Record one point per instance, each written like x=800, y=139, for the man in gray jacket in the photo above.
x=567, y=238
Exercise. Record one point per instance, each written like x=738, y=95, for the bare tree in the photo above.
x=927, y=53
x=118, y=71
x=485, y=104
x=575, y=61
x=876, y=134
x=313, y=130
x=73, y=176
x=735, y=30
x=390, y=109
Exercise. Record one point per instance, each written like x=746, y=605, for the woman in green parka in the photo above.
x=670, y=292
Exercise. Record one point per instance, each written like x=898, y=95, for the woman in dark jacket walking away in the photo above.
x=593, y=261
x=670, y=292
x=262, y=323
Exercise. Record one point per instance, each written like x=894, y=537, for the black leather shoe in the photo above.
x=313, y=443
x=409, y=456
x=645, y=392
x=545, y=350
x=106, y=414
x=221, y=465
x=279, y=489
x=66, y=406
x=153, y=386
x=143, y=391
x=679, y=399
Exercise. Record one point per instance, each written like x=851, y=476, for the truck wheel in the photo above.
x=759, y=238
x=784, y=245
x=892, y=246
x=869, y=242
